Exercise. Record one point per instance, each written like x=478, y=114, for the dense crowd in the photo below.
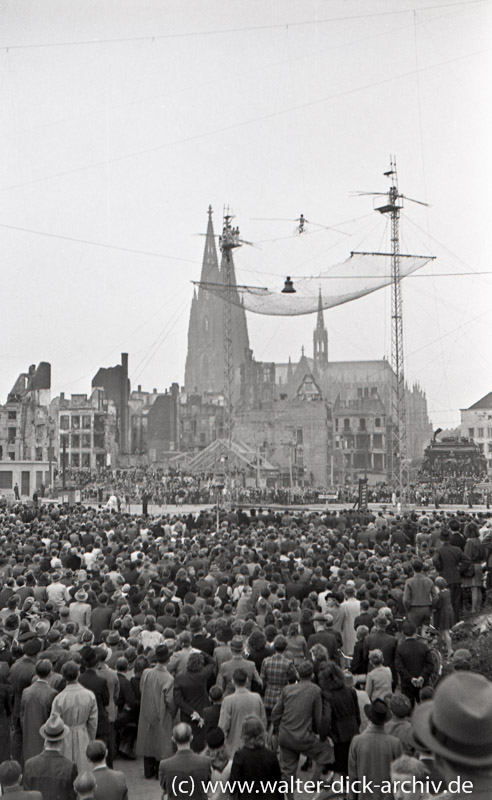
x=274, y=642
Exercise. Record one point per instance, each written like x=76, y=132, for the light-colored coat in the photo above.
x=157, y=710
x=77, y=707
x=235, y=707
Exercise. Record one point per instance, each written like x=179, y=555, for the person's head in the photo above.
x=280, y=644
x=240, y=677
x=182, y=735
x=215, y=694
x=456, y=726
x=96, y=752
x=84, y=784
x=305, y=670
x=376, y=658
x=215, y=738
x=43, y=668
x=331, y=677
x=408, y=628
x=195, y=662
x=10, y=774
x=253, y=732
x=70, y=671
x=408, y=777
x=417, y=565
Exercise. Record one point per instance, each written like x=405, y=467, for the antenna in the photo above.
x=397, y=467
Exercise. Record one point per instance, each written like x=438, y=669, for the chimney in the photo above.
x=124, y=397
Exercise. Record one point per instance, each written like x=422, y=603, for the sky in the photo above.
x=122, y=120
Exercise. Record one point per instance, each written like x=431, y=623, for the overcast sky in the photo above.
x=122, y=121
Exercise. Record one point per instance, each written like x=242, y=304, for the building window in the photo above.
x=11, y=435
x=346, y=424
x=362, y=424
x=299, y=436
x=64, y=422
x=76, y=422
x=100, y=460
x=86, y=423
x=39, y=453
x=336, y=424
x=480, y=433
x=6, y=479
x=86, y=461
x=490, y=447
x=378, y=461
x=360, y=393
x=75, y=440
x=99, y=441
x=12, y=415
x=12, y=456
x=471, y=432
x=377, y=441
x=86, y=440
x=75, y=459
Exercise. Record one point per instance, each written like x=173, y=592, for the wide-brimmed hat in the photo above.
x=377, y=712
x=81, y=595
x=54, y=729
x=113, y=638
x=457, y=723
x=237, y=644
x=195, y=624
x=42, y=627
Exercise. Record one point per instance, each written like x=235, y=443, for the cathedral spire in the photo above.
x=320, y=340
x=210, y=264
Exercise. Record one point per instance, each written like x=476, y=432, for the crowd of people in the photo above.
x=273, y=645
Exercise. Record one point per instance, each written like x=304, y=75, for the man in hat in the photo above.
x=456, y=726
x=371, y=754
x=326, y=636
x=77, y=707
x=95, y=682
x=227, y=669
x=380, y=639
x=50, y=772
x=21, y=675
x=35, y=709
x=157, y=711
x=80, y=611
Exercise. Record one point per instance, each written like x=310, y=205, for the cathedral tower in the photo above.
x=320, y=342
x=205, y=360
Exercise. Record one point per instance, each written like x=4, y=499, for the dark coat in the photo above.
x=447, y=561
x=259, y=764
x=51, y=774
x=35, y=709
x=110, y=784
x=91, y=680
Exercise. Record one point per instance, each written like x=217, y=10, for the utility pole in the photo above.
x=228, y=241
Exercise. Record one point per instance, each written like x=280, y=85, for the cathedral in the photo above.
x=320, y=422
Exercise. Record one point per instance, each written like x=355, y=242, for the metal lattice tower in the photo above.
x=228, y=241
x=398, y=466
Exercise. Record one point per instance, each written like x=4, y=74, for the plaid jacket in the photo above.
x=276, y=672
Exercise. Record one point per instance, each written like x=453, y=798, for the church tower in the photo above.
x=205, y=360
x=320, y=342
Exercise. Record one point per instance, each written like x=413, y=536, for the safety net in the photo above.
x=358, y=275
